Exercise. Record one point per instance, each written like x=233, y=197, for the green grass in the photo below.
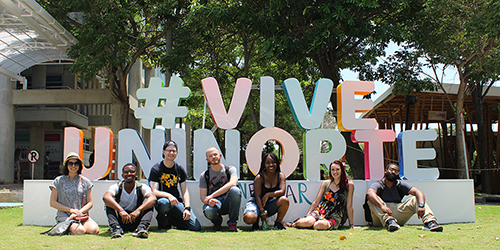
x=483, y=234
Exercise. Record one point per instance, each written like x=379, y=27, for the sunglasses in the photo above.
x=76, y=163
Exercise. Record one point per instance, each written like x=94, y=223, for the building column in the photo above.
x=7, y=130
x=37, y=142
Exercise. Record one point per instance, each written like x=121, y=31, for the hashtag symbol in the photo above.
x=154, y=95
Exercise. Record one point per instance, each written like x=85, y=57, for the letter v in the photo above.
x=308, y=119
x=222, y=119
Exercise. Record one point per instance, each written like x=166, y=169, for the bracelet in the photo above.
x=123, y=210
x=188, y=208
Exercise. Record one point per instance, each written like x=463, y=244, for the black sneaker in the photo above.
x=232, y=228
x=255, y=226
x=279, y=226
x=217, y=227
x=392, y=225
x=141, y=233
x=432, y=226
x=116, y=233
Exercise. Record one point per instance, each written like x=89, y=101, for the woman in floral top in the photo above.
x=333, y=203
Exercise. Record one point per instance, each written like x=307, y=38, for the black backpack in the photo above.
x=368, y=212
x=138, y=188
x=207, y=175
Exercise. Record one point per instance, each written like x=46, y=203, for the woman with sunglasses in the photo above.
x=72, y=197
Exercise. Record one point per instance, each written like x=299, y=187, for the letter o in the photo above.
x=291, y=154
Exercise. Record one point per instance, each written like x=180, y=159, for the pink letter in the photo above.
x=222, y=119
x=374, y=150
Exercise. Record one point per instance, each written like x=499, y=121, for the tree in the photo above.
x=335, y=35
x=219, y=40
x=113, y=35
x=462, y=34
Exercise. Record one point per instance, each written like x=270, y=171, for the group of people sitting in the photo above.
x=129, y=204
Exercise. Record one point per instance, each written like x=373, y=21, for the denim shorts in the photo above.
x=270, y=206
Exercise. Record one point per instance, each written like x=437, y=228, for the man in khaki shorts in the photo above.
x=384, y=199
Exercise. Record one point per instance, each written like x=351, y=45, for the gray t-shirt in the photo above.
x=216, y=179
x=71, y=193
x=391, y=194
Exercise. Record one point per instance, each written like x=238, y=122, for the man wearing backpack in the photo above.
x=384, y=199
x=219, y=192
x=129, y=205
x=165, y=179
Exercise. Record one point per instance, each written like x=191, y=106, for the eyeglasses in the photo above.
x=171, y=151
x=394, y=171
x=129, y=172
x=71, y=163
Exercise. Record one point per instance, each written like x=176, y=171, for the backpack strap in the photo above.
x=140, y=195
x=119, y=193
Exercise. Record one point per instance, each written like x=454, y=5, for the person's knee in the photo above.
x=321, y=225
x=235, y=194
x=163, y=205
x=283, y=201
x=79, y=230
x=210, y=213
x=250, y=218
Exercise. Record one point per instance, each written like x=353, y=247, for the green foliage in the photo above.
x=219, y=39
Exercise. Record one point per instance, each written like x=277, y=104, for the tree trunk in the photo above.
x=481, y=138
x=461, y=157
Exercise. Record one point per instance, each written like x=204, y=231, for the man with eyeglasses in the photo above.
x=173, y=207
x=384, y=199
x=129, y=205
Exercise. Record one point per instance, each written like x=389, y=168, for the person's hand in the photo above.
x=386, y=210
x=420, y=212
x=212, y=202
x=173, y=200
x=207, y=199
x=186, y=215
x=76, y=212
x=134, y=215
x=263, y=215
x=125, y=217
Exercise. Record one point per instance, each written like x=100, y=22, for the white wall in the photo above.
x=450, y=200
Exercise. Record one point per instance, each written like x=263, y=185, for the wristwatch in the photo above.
x=188, y=208
x=421, y=205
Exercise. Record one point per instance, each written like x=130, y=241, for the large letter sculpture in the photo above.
x=213, y=96
x=409, y=154
x=305, y=118
x=348, y=105
x=374, y=150
x=291, y=152
x=103, y=155
x=130, y=143
x=312, y=150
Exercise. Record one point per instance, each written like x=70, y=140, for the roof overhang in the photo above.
x=29, y=35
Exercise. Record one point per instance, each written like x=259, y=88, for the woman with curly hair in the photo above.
x=269, y=194
x=333, y=203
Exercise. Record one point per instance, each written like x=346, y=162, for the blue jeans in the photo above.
x=229, y=203
x=172, y=215
x=271, y=206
